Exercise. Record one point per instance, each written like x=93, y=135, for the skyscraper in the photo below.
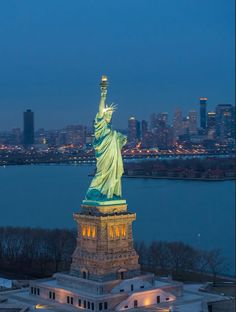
x=203, y=112
x=211, y=120
x=158, y=120
x=192, y=122
x=186, y=125
x=28, y=136
x=75, y=134
x=144, y=129
x=16, y=136
x=211, y=124
x=224, y=121
x=138, y=131
x=133, y=130
x=153, y=121
x=163, y=117
x=178, y=123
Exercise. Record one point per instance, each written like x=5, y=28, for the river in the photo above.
x=198, y=213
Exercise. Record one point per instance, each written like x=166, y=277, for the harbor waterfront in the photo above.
x=49, y=194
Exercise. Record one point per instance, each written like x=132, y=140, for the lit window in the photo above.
x=83, y=230
x=93, y=231
x=123, y=230
x=117, y=230
x=111, y=232
x=88, y=231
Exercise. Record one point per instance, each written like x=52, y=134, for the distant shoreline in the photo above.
x=71, y=163
x=180, y=178
x=125, y=175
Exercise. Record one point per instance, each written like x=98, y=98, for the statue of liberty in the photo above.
x=106, y=184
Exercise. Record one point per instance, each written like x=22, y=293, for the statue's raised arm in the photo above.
x=106, y=184
x=103, y=85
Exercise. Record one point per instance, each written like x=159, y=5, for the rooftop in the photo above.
x=192, y=300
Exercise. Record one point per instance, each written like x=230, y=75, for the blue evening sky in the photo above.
x=158, y=54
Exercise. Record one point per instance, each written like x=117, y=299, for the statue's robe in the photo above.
x=107, y=143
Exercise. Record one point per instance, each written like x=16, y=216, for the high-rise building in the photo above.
x=158, y=120
x=40, y=136
x=162, y=135
x=75, y=134
x=16, y=136
x=211, y=124
x=144, y=128
x=133, y=130
x=186, y=125
x=28, y=135
x=178, y=123
x=146, y=135
x=163, y=117
x=203, y=112
x=192, y=122
x=153, y=121
x=224, y=121
x=138, y=131
x=211, y=120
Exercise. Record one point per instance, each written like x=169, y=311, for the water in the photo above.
x=195, y=212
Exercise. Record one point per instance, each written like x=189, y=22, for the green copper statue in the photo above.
x=106, y=184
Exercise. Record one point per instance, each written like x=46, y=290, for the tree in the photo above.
x=182, y=257
x=216, y=262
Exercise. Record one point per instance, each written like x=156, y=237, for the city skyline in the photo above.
x=145, y=117
x=204, y=128
x=56, y=64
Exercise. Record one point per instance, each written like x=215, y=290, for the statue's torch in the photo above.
x=104, y=83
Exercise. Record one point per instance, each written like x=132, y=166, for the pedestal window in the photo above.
x=88, y=231
x=117, y=231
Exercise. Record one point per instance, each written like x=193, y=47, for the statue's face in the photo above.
x=108, y=116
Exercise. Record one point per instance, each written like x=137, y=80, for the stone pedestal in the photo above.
x=104, y=249
x=105, y=274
